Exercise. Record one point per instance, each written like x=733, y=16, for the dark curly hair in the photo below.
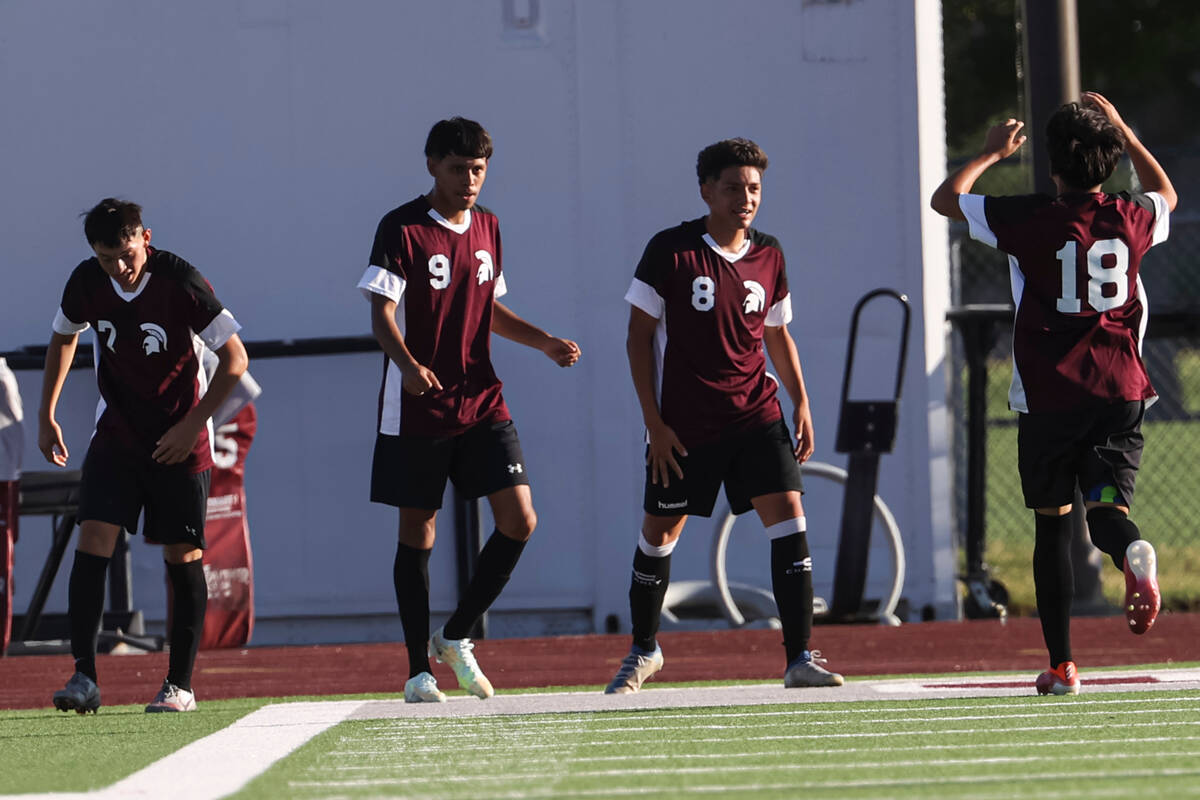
x=1084, y=146
x=714, y=159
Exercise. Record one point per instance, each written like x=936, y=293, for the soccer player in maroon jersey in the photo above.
x=706, y=296
x=1079, y=383
x=151, y=452
x=434, y=279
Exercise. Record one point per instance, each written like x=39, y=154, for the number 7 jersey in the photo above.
x=1081, y=310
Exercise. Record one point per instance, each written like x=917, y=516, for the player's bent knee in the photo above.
x=519, y=526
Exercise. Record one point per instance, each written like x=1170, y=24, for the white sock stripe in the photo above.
x=652, y=550
x=787, y=528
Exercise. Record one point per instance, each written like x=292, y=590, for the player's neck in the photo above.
x=1064, y=188
x=452, y=214
x=729, y=239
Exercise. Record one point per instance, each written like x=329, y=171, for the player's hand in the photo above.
x=178, y=442
x=1004, y=139
x=664, y=444
x=563, y=352
x=1102, y=104
x=802, y=419
x=50, y=442
x=421, y=380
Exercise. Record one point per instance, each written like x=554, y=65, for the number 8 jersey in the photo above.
x=444, y=279
x=712, y=308
x=1080, y=306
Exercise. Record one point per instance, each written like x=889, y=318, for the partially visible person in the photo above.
x=706, y=297
x=151, y=452
x=1079, y=384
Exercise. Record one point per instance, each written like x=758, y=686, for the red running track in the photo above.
x=981, y=645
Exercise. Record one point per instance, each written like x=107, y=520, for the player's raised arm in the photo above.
x=1002, y=141
x=59, y=356
x=1150, y=173
x=563, y=352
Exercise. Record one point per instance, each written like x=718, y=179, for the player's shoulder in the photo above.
x=760, y=239
x=483, y=211
x=684, y=236
x=1133, y=202
x=413, y=212
x=166, y=264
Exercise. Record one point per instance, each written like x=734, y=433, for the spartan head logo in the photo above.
x=156, y=339
x=487, y=269
x=757, y=299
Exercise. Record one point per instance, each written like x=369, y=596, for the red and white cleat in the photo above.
x=1142, y=599
x=1063, y=679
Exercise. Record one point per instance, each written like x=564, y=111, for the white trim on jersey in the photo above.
x=730, y=257
x=660, y=355
x=199, y=346
x=972, y=206
x=219, y=331
x=501, y=287
x=643, y=296
x=1162, y=218
x=780, y=314
x=377, y=280
x=1016, y=390
x=64, y=326
x=459, y=228
x=393, y=386
x=129, y=296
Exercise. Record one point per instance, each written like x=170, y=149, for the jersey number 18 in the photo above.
x=1099, y=276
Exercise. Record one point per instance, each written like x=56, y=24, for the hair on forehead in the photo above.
x=459, y=137
x=112, y=222
x=716, y=158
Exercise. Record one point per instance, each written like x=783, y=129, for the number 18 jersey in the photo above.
x=1080, y=306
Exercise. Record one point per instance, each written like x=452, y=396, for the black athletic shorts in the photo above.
x=750, y=463
x=1099, y=448
x=411, y=471
x=116, y=486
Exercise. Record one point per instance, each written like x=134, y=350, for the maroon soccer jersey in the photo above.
x=712, y=308
x=1080, y=306
x=147, y=341
x=444, y=279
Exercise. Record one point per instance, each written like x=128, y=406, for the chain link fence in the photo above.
x=1168, y=496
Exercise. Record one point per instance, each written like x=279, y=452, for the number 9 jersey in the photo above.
x=1081, y=310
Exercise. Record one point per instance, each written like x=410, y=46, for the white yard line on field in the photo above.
x=251, y=745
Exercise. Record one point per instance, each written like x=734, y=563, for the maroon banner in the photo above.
x=228, y=566
x=8, y=538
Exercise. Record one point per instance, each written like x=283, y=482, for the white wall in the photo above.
x=265, y=139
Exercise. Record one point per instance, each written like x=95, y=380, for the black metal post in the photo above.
x=468, y=540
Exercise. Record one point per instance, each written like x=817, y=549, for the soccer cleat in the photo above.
x=1142, y=599
x=635, y=670
x=805, y=671
x=81, y=695
x=171, y=698
x=456, y=653
x=423, y=688
x=1063, y=679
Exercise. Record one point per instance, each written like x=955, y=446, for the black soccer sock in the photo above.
x=189, y=603
x=496, y=562
x=1112, y=532
x=1054, y=583
x=647, y=588
x=410, y=574
x=791, y=579
x=85, y=609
